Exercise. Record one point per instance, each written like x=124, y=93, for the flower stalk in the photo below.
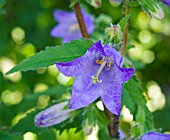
x=126, y=11
x=113, y=127
x=80, y=20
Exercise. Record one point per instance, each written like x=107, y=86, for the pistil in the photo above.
x=96, y=78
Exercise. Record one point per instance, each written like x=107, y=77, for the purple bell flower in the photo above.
x=68, y=27
x=98, y=73
x=167, y=2
x=155, y=136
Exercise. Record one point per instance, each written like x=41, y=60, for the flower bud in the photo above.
x=52, y=115
x=114, y=34
x=95, y=3
x=115, y=3
x=159, y=13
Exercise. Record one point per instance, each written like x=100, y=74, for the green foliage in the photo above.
x=136, y=102
x=51, y=55
x=2, y=3
x=4, y=135
x=123, y=21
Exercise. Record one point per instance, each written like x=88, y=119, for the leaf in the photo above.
x=51, y=55
x=144, y=116
x=8, y=136
x=73, y=2
x=26, y=124
x=123, y=21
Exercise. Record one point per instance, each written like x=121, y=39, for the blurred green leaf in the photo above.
x=123, y=21
x=26, y=124
x=73, y=2
x=2, y=11
x=47, y=134
x=132, y=87
x=51, y=55
x=2, y=3
x=9, y=136
x=103, y=132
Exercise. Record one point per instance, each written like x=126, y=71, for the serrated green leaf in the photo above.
x=103, y=132
x=123, y=21
x=26, y=124
x=132, y=87
x=128, y=102
x=51, y=55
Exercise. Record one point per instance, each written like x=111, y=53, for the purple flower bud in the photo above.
x=52, y=115
x=155, y=136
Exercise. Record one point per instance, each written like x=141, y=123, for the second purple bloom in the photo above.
x=68, y=27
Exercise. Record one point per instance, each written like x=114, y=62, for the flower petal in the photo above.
x=84, y=92
x=112, y=97
x=116, y=56
x=126, y=73
x=155, y=136
x=59, y=31
x=167, y=2
x=62, y=16
x=83, y=64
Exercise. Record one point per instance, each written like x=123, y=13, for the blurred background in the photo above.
x=25, y=30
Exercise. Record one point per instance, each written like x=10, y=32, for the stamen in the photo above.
x=95, y=78
x=74, y=27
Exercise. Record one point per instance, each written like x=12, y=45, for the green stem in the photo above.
x=126, y=11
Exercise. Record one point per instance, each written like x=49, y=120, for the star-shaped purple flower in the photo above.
x=98, y=73
x=68, y=27
x=167, y=2
x=155, y=136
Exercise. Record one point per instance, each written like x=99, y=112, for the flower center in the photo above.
x=104, y=62
x=74, y=27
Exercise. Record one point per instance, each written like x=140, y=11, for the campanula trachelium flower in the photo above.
x=98, y=73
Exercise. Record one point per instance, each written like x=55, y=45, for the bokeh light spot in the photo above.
x=5, y=65
x=148, y=56
x=11, y=97
x=156, y=97
x=40, y=87
x=30, y=136
x=145, y=36
x=62, y=79
x=28, y=50
x=18, y=34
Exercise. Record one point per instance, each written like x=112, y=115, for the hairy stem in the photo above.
x=80, y=20
x=126, y=11
x=113, y=127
